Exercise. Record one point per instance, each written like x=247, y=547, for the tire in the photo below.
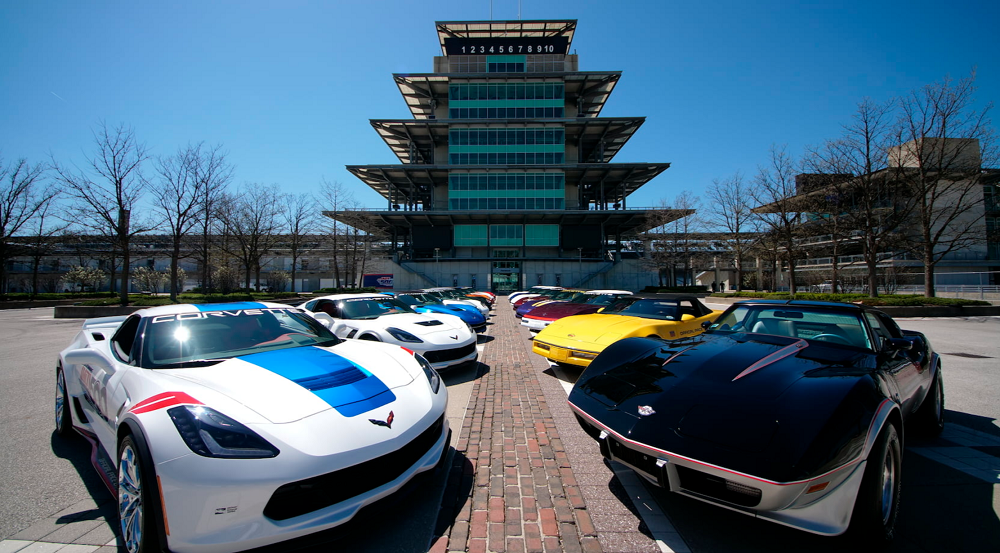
x=136, y=511
x=873, y=522
x=929, y=418
x=64, y=420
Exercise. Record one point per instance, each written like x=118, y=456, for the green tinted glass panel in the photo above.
x=506, y=191
x=470, y=235
x=506, y=235
x=541, y=235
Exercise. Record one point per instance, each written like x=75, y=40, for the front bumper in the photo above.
x=820, y=505
x=557, y=354
x=212, y=508
x=534, y=325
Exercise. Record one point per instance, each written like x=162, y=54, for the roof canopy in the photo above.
x=511, y=29
x=599, y=140
x=614, y=222
x=412, y=183
x=589, y=90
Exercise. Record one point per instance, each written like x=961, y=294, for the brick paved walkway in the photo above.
x=511, y=486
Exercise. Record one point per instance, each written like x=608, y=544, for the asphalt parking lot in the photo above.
x=509, y=415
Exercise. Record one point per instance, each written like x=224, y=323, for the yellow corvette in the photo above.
x=577, y=340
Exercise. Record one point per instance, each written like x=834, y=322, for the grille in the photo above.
x=718, y=488
x=641, y=461
x=305, y=496
x=440, y=355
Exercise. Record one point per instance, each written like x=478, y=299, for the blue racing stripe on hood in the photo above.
x=230, y=306
x=346, y=387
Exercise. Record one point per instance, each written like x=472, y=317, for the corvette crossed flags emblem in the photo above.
x=386, y=423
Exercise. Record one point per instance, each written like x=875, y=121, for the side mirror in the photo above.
x=897, y=344
x=705, y=325
x=687, y=317
x=88, y=357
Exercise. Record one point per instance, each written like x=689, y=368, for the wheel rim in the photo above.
x=60, y=398
x=888, y=484
x=130, y=508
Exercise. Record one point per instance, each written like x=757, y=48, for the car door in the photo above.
x=101, y=382
x=896, y=364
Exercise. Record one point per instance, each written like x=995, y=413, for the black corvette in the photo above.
x=790, y=411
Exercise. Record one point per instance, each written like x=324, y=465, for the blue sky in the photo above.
x=287, y=88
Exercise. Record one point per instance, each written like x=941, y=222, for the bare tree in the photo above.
x=336, y=198
x=177, y=195
x=109, y=189
x=774, y=192
x=213, y=173
x=252, y=222
x=944, y=140
x=859, y=192
x=730, y=211
x=44, y=238
x=299, y=215
x=22, y=198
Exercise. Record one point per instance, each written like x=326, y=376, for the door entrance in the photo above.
x=504, y=283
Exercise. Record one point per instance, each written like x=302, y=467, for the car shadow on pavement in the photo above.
x=975, y=422
x=79, y=451
x=465, y=373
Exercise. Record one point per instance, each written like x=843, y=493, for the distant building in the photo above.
x=977, y=263
x=505, y=177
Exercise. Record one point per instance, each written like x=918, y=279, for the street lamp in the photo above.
x=580, y=252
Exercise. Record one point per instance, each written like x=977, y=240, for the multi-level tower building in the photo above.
x=505, y=177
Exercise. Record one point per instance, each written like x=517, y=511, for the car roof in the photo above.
x=662, y=297
x=810, y=303
x=352, y=296
x=180, y=308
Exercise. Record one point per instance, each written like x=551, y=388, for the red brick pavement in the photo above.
x=511, y=486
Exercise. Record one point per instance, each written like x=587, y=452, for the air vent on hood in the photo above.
x=434, y=322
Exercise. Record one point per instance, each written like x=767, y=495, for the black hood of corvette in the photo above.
x=751, y=402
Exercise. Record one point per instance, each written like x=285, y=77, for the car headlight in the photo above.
x=209, y=433
x=403, y=336
x=433, y=378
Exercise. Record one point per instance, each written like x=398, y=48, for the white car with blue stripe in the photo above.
x=225, y=427
x=445, y=341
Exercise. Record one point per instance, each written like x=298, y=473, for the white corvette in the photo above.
x=231, y=426
x=443, y=340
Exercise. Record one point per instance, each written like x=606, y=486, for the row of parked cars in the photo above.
x=224, y=427
x=230, y=426
x=790, y=411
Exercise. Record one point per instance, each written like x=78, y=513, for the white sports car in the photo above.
x=231, y=426
x=444, y=340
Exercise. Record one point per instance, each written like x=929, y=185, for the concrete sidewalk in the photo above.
x=525, y=477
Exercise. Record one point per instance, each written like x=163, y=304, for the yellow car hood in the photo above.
x=595, y=331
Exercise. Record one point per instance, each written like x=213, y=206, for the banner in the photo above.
x=377, y=281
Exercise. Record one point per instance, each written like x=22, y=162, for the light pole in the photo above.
x=580, y=252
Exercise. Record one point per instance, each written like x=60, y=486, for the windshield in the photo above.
x=208, y=337
x=603, y=299
x=824, y=325
x=648, y=308
x=372, y=308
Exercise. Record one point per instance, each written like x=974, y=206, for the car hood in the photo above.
x=756, y=403
x=592, y=329
x=464, y=312
x=291, y=384
x=418, y=324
